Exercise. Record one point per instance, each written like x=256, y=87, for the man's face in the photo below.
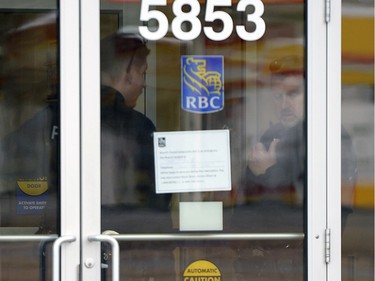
x=288, y=93
x=135, y=85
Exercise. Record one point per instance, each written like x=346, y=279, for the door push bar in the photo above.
x=26, y=238
x=115, y=252
x=56, y=255
x=208, y=237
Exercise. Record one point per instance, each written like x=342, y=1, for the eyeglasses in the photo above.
x=131, y=60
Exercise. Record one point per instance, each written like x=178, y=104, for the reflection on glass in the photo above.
x=264, y=102
x=29, y=131
x=26, y=261
x=127, y=144
x=275, y=174
x=29, y=136
x=358, y=122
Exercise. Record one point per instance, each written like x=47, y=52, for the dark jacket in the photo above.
x=29, y=156
x=283, y=181
x=127, y=152
x=128, y=185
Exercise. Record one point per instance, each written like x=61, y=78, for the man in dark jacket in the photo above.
x=127, y=135
x=29, y=161
x=276, y=166
x=129, y=201
x=276, y=163
x=275, y=180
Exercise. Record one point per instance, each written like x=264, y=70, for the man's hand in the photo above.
x=260, y=159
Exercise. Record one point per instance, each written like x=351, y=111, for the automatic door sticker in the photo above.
x=32, y=196
x=202, y=83
x=202, y=270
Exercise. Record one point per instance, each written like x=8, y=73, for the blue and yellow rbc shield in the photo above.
x=202, y=79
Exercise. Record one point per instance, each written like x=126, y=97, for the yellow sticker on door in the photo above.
x=33, y=187
x=202, y=270
x=32, y=196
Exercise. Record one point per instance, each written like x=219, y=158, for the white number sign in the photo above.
x=181, y=17
x=191, y=16
x=147, y=14
x=256, y=18
x=212, y=15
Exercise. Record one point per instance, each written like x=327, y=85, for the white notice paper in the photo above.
x=192, y=161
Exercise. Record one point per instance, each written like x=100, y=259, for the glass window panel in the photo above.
x=264, y=112
x=29, y=135
x=29, y=117
x=357, y=140
x=31, y=259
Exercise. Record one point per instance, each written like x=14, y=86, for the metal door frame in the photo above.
x=70, y=196
x=80, y=166
x=324, y=139
x=65, y=256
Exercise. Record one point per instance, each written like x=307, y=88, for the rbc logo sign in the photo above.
x=202, y=83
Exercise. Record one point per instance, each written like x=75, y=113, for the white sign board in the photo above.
x=192, y=161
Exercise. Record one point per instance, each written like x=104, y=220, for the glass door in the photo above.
x=39, y=151
x=164, y=140
x=29, y=153
x=199, y=120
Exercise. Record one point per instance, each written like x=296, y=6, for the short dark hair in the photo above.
x=120, y=51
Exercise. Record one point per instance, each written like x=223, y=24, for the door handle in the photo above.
x=56, y=255
x=115, y=252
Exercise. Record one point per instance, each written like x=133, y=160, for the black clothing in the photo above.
x=275, y=204
x=128, y=188
x=283, y=185
x=29, y=156
x=283, y=181
x=129, y=201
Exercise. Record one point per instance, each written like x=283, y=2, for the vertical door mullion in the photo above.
x=70, y=137
x=317, y=140
x=334, y=138
x=90, y=137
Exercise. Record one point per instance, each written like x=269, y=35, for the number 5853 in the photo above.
x=196, y=27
